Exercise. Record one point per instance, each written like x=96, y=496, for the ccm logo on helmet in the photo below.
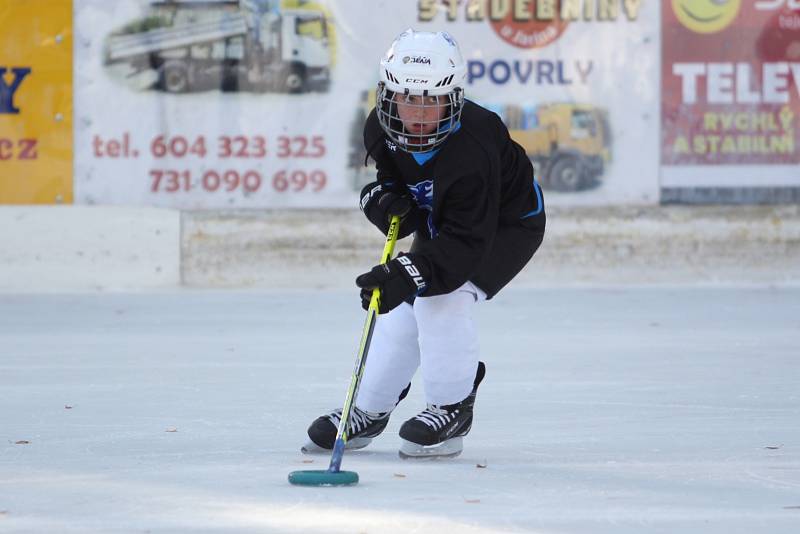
x=417, y=59
x=416, y=80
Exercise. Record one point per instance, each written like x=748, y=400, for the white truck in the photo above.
x=229, y=45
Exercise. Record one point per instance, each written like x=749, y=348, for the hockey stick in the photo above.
x=334, y=476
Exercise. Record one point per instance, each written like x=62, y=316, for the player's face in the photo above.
x=420, y=114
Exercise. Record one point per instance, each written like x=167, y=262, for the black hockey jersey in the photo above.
x=478, y=183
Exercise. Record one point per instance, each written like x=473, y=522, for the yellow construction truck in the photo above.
x=569, y=144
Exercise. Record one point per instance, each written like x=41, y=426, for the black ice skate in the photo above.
x=362, y=428
x=437, y=431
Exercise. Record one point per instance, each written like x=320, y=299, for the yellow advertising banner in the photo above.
x=35, y=101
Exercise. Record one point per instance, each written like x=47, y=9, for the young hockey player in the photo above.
x=450, y=170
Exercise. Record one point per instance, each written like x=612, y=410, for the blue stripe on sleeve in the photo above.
x=539, y=205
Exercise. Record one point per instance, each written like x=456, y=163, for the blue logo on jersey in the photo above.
x=423, y=193
x=423, y=196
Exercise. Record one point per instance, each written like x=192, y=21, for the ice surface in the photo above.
x=626, y=410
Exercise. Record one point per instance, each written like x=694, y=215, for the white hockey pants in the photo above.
x=437, y=333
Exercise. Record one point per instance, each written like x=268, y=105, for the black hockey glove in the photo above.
x=380, y=203
x=399, y=279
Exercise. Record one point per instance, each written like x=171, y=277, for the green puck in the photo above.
x=323, y=478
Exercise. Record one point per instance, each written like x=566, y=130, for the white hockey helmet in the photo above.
x=428, y=66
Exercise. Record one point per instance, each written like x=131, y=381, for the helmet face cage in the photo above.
x=392, y=124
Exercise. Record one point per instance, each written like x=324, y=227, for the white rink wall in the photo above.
x=607, y=246
x=80, y=248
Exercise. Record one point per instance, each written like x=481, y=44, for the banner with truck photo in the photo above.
x=575, y=82
x=731, y=95
x=207, y=104
x=260, y=103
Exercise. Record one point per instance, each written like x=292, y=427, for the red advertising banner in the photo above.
x=730, y=82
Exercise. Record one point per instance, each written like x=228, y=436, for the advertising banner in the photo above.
x=207, y=104
x=261, y=103
x=36, y=102
x=575, y=81
x=731, y=93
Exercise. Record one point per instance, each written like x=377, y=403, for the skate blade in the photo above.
x=446, y=449
x=352, y=445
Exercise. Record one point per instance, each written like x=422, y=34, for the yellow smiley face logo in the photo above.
x=706, y=16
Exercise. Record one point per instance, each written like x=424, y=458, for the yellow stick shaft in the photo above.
x=363, y=348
